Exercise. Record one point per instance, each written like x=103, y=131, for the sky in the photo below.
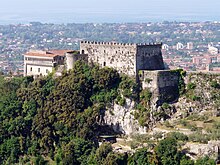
x=108, y=10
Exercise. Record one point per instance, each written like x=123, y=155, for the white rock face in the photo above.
x=210, y=149
x=121, y=119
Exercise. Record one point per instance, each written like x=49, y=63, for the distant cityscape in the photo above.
x=200, y=58
x=193, y=46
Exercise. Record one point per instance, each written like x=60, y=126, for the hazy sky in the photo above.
x=116, y=8
x=21, y=5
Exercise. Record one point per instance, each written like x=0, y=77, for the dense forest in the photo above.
x=57, y=120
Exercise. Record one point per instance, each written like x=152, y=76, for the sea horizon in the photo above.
x=104, y=17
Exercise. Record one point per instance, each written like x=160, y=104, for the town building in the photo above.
x=212, y=50
x=37, y=62
x=189, y=45
x=165, y=47
x=40, y=63
x=179, y=46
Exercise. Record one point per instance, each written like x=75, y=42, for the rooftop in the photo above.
x=50, y=53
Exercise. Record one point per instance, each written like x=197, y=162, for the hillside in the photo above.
x=58, y=120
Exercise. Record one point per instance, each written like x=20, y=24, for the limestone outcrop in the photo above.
x=122, y=120
x=201, y=96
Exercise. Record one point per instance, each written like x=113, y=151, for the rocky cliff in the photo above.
x=122, y=120
x=201, y=94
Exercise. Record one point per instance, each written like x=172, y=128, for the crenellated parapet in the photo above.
x=120, y=44
x=152, y=45
x=106, y=43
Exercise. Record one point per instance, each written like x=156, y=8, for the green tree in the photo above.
x=140, y=157
x=186, y=161
x=102, y=152
x=76, y=151
x=115, y=159
x=205, y=161
x=167, y=152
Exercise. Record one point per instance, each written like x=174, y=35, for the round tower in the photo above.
x=70, y=60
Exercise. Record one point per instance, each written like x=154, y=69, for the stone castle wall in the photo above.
x=162, y=83
x=71, y=58
x=122, y=57
x=149, y=57
x=126, y=58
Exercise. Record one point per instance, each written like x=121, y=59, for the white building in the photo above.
x=189, y=45
x=165, y=47
x=38, y=63
x=179, y=46
x=212, y=50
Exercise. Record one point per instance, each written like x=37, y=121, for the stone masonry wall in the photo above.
x=149, y=57
x=163, y=84
x=122, y=57
x=71, y=58
x=126, y=58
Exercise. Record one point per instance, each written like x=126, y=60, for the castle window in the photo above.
x=47, y=71
x=104, y=64
x=83, y=52
x=38, y=69
x=31, y=69
x=104, y=51
x=116, y=52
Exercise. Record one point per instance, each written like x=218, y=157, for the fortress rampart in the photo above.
x=164, y=84
x=127, y=58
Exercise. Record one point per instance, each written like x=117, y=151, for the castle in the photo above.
x=141, y=61
x=126, y=58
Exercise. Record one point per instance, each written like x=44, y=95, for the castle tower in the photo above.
x=72, y=57
x=69, y=60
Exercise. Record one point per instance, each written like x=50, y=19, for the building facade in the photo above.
x=40, y=63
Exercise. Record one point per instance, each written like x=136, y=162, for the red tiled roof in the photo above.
x=50, y=53
x=40, y=54
x=60, y=52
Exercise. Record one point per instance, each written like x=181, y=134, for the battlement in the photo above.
x=153, y=44
x=119, y=44
x=107, y=43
